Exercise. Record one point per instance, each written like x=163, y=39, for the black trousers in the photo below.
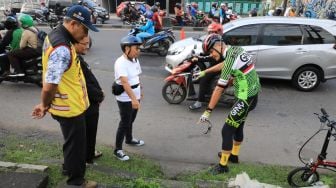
x=127, y=117
x=4, y=63
x=74, y=147
x=179, y=20
x=205, y=84
x=91, y=117
x=15, y=57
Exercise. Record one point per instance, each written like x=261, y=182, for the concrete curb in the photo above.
x=22, y=167
x=23, y=175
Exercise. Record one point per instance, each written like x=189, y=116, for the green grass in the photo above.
x=270, y=174
x=147, y=173
x=49, y=152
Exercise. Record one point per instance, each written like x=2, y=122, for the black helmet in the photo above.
x=154, y=8
x=178, y=5
x=214, y=4
x=210, y=41
x=10, y=23
x=58, y=4
x=157, y=4
x=129, y=40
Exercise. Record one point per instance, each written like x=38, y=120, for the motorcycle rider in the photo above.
x=193, y=12
x=148, y=29
x=12, y=39
x=179, y=13
x=237, y=66
x=223, y=16
x=156, y=19
x=214, y=12
x=45, y=11
x=28, y=46
x=130, y=12
x=204, y=86
x=142, y=8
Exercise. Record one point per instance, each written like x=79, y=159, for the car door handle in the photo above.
x=301, y=51
x=252, y=52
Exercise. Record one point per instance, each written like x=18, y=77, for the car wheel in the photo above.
x=196, y=69
x=307, y=78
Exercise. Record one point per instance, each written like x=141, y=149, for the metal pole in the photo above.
x=167, y=7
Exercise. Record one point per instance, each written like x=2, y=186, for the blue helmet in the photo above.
x=129, y=40
x=149, y=14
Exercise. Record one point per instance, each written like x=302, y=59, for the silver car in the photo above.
x=296, y=49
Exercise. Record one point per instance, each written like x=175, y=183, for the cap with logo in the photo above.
x=82, y=15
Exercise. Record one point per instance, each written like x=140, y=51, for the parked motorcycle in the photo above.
x=32, y=69
x=158, y=43
x=176, y=87
x=51, y=18
x=186, y=21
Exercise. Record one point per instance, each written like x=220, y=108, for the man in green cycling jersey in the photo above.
x=238, y=67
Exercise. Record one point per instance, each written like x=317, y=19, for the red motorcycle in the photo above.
x=176, y=87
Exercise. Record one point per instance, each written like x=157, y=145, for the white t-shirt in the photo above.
x=131, y=70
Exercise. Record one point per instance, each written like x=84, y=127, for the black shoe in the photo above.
x=232, y=158
x=136, y=142
x=219, y=169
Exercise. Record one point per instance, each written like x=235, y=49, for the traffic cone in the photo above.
x=182, y=34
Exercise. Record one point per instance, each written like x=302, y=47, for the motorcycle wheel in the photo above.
x=174, y=93
x=164, y=46
x=302, y=177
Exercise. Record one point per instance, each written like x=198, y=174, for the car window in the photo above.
x=317, y=35
x=242, y=36
x=281, y=34
x=90, y=3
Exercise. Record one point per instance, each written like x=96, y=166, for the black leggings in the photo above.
x=234, y=123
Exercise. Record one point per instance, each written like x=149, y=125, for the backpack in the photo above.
x=41, y=35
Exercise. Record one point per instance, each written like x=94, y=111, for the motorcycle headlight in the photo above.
x=177, y=51
x=95, y=14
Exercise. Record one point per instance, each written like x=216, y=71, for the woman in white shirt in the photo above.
x=126, y=71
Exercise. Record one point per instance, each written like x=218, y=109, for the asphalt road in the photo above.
x=274, y=131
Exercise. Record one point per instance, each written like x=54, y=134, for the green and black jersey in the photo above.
x=240, y=65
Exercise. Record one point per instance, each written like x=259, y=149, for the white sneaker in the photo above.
x=121, y=155
x=136, y=142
